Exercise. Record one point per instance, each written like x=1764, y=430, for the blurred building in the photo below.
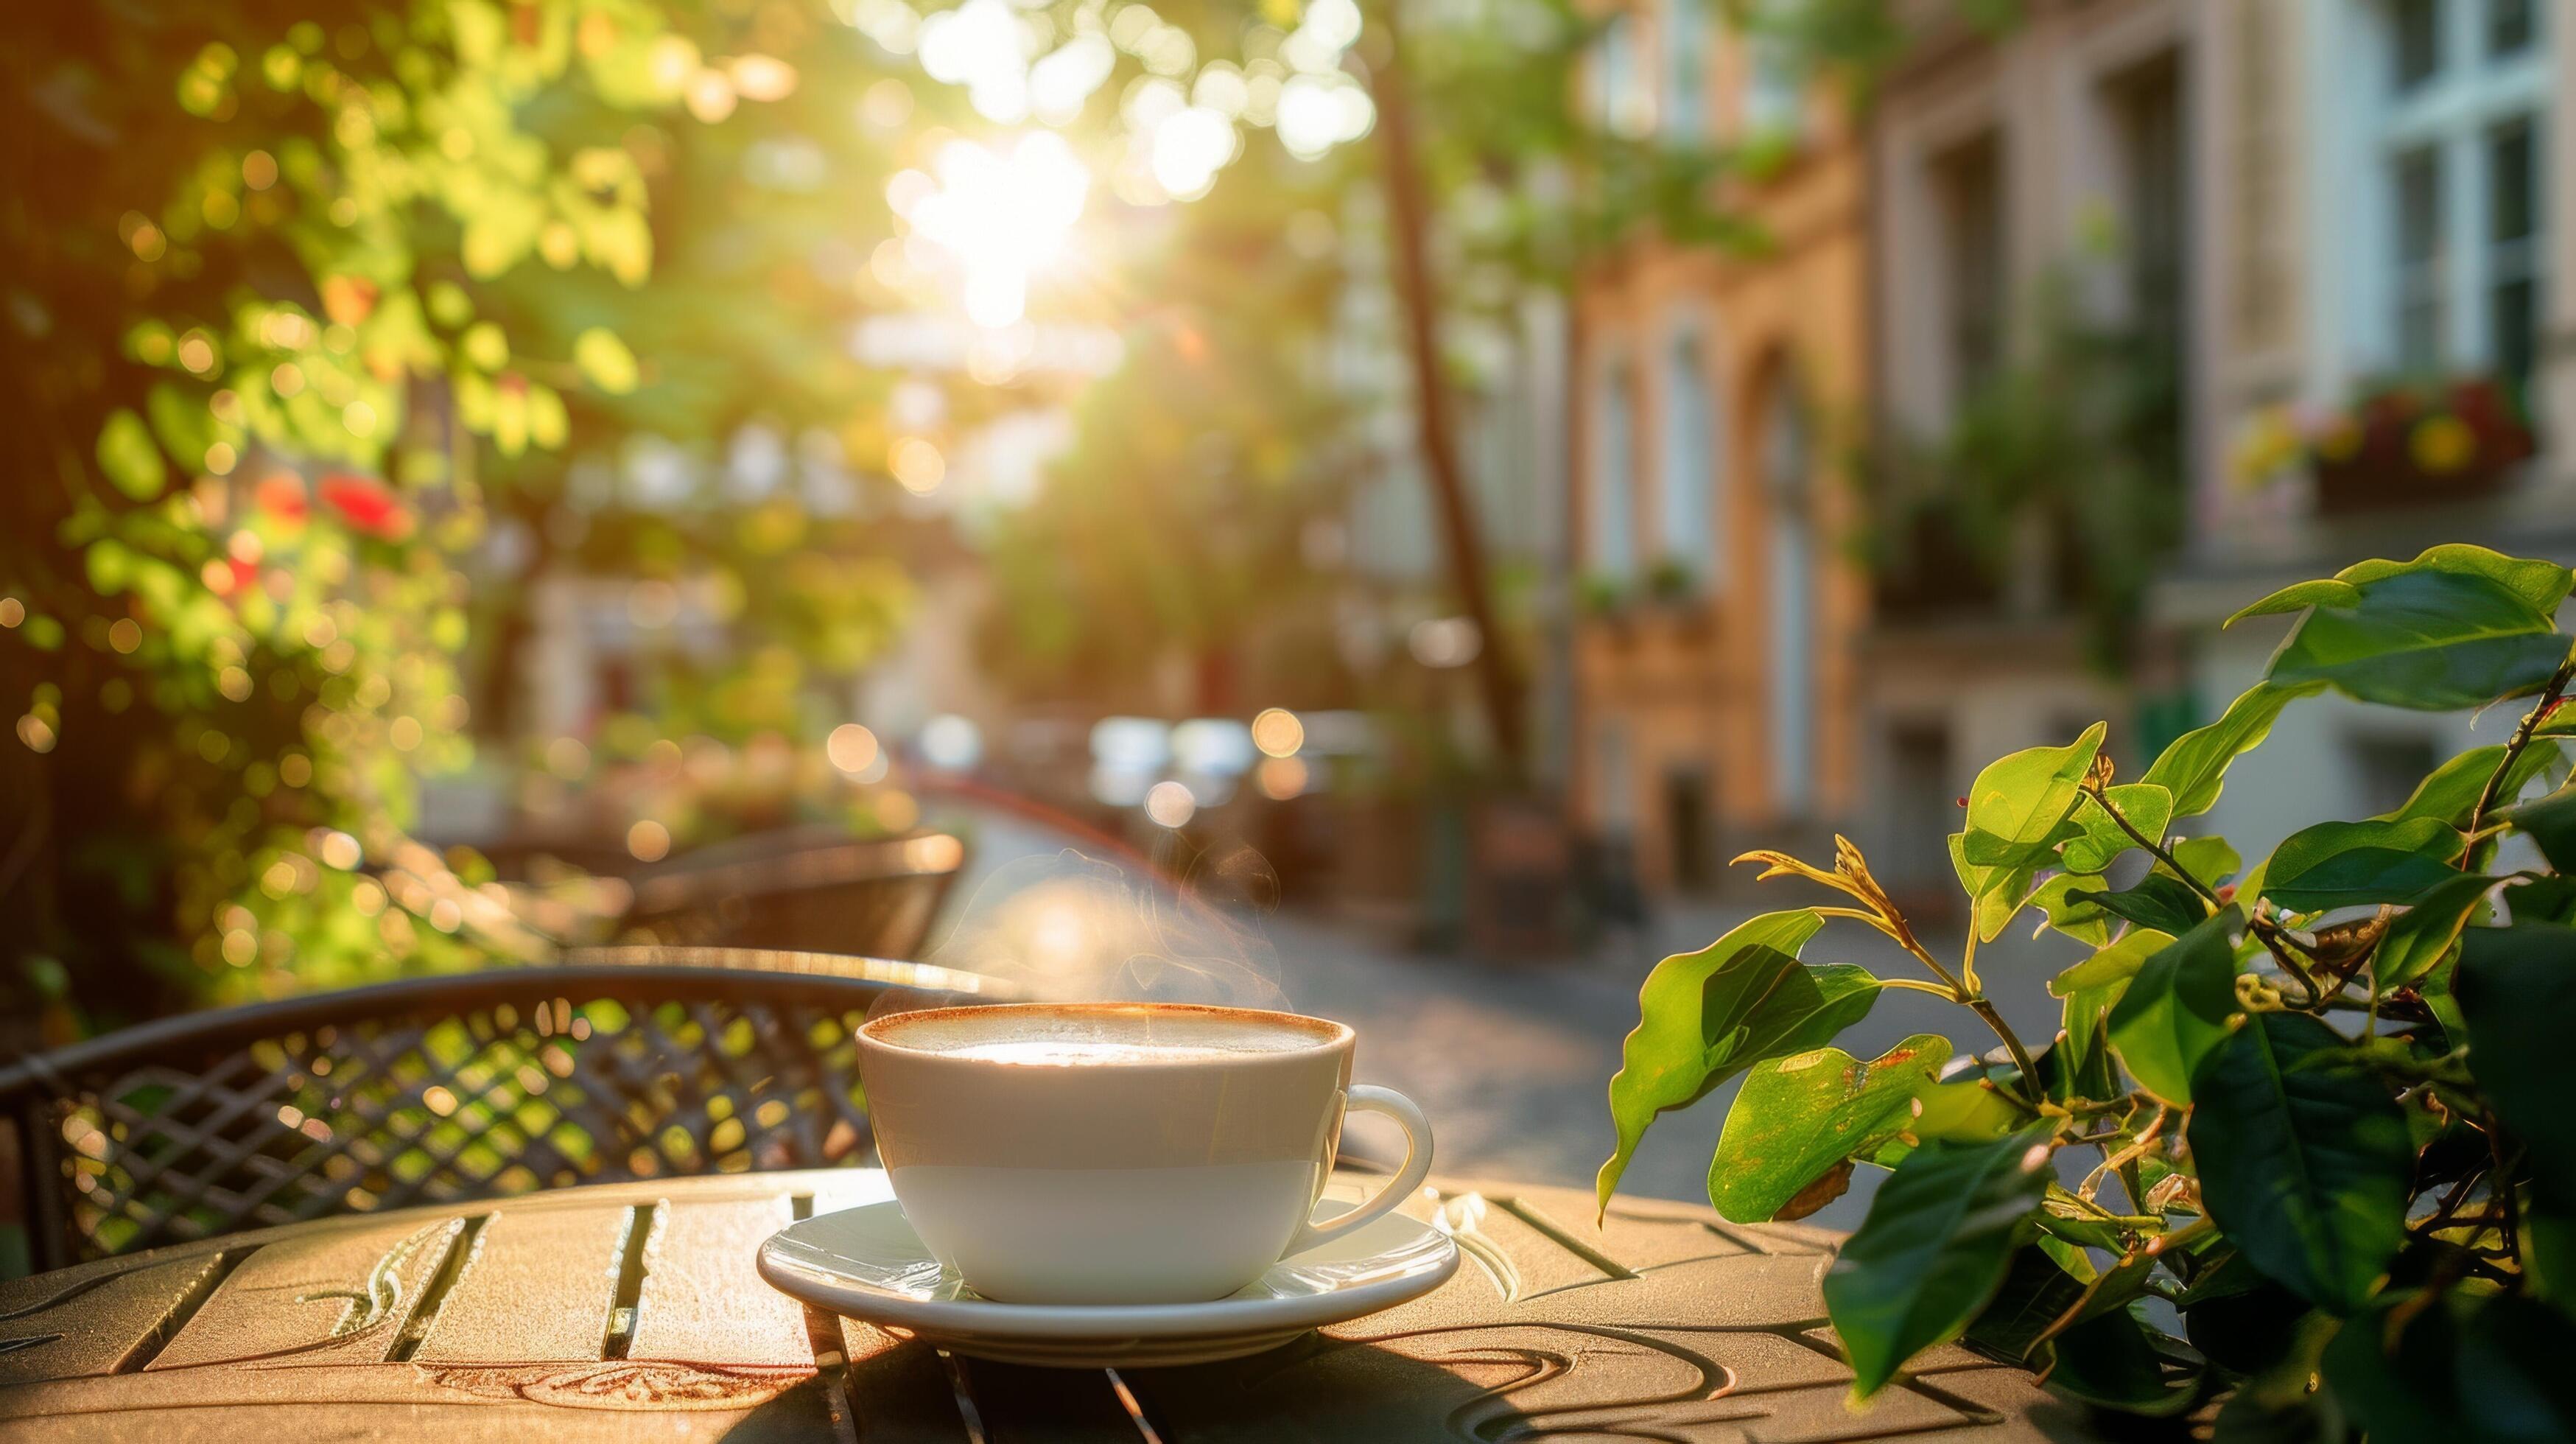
x=2389, y=184
x=2034, y=192
x=2304, y=247
x=1714, y=385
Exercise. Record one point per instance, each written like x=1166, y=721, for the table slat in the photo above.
x=538, y=1287
x=340, y=1296
x=704, y=1300
x=98, y=1329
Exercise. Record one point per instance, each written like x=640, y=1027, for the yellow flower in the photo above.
x=2442, y=445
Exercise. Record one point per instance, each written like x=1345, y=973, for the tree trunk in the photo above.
x=1407, y=224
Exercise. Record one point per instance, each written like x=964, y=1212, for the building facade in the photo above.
x=2396, y=181
x=2034, y=247
x=1715, y=388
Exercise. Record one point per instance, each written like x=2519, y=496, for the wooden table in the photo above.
x=632, y=1311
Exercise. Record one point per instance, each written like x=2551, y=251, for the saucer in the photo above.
x=866, y=1263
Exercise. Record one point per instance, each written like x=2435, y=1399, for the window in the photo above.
x=2462, y=130
x=1774, y=89
x=1685, y=48
x=1968, y=184
x=2419, y=259
x=1614, y=477
x=1689, y=469
x=1627, y=99
x=2511, y=26
x=2417, y=26
x=2513, y=247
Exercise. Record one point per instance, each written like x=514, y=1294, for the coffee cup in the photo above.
x=1120, y=1153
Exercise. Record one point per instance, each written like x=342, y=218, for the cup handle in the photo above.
x=1369, y=1098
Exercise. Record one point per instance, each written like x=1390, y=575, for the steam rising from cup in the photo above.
x=1070, y=927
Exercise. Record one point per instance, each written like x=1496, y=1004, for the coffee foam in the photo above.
x=1046, y=1038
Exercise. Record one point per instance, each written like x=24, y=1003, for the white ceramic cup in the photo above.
x=1119, y=1153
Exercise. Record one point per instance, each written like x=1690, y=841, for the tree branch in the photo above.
x=2522, y=735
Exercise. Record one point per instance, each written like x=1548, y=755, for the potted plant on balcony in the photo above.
x=2315, y=1108
x=2400, y=444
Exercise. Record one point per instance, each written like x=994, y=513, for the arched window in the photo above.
x=1788, y=465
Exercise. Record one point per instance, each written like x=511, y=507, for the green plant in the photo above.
x=2314, y=1108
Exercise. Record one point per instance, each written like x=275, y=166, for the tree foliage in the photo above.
x=293, y=298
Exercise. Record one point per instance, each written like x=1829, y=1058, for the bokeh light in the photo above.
x=999, y=217
x=951, y=743
x=1277, y=732
x=648, y=841
x=852, y=748
x=1170, y=804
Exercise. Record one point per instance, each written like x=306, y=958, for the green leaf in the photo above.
x=1797, y=1117
x=1935, y=1247
x=2304, y=1158
x=2208, y=859
x=2115, y=964
x=2517, y=994
x=1704, y=1017
x=2542, y=584
x=2427, y=637
x=2298, y=597
x=2147, y=806
x=2036, y=1292
x=127, y=455
x=2084, y=1069
x=2464, y=1368
x=2177, y=1007
x=1964, y=1110
x=2085, y=922
x=2194, y=766
x=2340, y=864
x=2113, y=1361
x=2452, y=792
x=604, y=359
x=1996, y=893
x=2160, y=901
x=2420, y=937
x=2550, y=823
x=2018, y=802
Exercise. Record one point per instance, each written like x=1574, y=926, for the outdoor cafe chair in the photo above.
x=814, y=888
x=616, y=1065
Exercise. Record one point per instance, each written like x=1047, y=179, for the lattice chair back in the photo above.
x=810, y=888
x=446, y=1089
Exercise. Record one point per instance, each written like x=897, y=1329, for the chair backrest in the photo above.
x=804, y=889
x=449, y=1088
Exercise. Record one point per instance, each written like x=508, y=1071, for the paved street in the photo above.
x=1512, y=1060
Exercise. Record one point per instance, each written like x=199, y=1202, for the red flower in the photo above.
x=281, y=495
x=369, y=505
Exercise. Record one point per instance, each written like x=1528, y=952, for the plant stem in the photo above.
x=2500, y=1183
x=2154, y=849
x=2269, y=935
x=1917, y=985
x=2012, y=1043
x=1904, y=936
x=2522, y=734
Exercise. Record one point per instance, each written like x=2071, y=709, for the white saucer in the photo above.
x=867, y=1263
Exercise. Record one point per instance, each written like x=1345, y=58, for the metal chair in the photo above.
x=807, y=888
x=622, y=1065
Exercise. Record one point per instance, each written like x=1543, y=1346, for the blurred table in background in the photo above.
x=571, y=1314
